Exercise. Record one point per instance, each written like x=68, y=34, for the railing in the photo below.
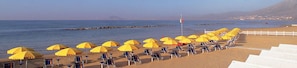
x=269, y=33
x=284, y=33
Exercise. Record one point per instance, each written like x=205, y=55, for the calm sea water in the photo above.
x=41, y=34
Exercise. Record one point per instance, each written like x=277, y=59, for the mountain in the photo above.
x=284, y=8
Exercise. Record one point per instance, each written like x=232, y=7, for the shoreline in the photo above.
x=122, y=61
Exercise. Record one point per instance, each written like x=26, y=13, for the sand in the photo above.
x=247, y=44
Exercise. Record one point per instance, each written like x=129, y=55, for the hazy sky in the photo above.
x=125, y=9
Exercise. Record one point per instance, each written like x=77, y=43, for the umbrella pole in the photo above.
x=86, y=56
x=26, y=63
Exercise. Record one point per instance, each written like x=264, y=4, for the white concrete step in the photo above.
x=271, y=62
x=290, y=46
x=238, y=64
x=281, y=55
x=285, y=50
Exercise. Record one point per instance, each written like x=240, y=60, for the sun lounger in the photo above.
x=48, y=62
x=164, y=50
x=135, y=59
x=9, y=65
x=108, y=62
x=156, y=56
x=174, y=53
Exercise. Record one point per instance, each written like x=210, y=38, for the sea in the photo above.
x=39, y=34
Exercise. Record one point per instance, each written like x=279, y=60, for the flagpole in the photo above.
x=181, y=24
x=181, y=29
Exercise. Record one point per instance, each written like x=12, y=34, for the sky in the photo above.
x=122, y=9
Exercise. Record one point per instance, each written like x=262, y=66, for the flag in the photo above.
x=181, y=20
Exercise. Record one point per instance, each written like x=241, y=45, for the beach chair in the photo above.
x=48, y=62
x=103, y=57
x=78, y=65
x=164, y=50
x=147, y=52
x=108, y=63
x=204, y=48
x=135, y=59
x=217, y=46
x=174, y=53
x=191, y=50
x=9, y=65
x=126, y=54
x=191, y=46
x=156, y=56
x=78, y=59
x=179, y=48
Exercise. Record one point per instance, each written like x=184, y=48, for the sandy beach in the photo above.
x=247, y=44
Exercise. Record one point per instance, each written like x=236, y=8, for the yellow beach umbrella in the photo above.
x=110, y=44
x=99, y=49
x=186, y=40
x=127, y=47
x=149, y=40
x=216, y=38
x=231, y=34
x=86, y=45
x=202, y=39
x=25, y=55
x=151, y=45
x=170, y=42
x=226, y=37
x=56, y=47
x=68, y=52
x=18, y=50
x=132, y=42
x=212, y=33
x=166, y=38
x=193, y=36
x=180, y=37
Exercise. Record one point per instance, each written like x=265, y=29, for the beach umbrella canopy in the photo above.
x=127, y=47
x=180, y=37
x=132, y=42
x=68, y=52
x=86, y=45
x=205, y=36
x=202, y=39
x=170, y=42
x=18, y=50
x=186, y=40
x=110, y=44
x=226, y=37
x=166, y=38
x=193, y=36
x=212, y=33
x=216, y=38
x=231, y=34
x=25, y=55
x=56, y=47
x=99, y=49
x=150, y=40
x=151, y=45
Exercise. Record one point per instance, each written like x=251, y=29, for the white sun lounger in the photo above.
x=238, y=64
x=271, y=62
